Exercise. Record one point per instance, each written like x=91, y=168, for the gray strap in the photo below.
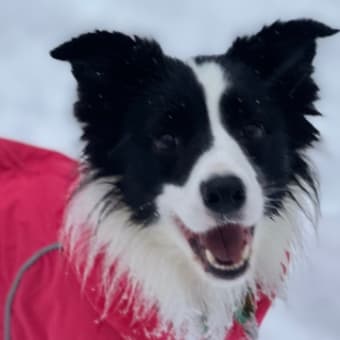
x=15, y=285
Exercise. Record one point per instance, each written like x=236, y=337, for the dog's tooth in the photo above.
x=246, y=252
x=210, y=257
x=212, y=261
x=235, y=266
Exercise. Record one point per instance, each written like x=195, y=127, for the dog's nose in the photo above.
x=223, y=194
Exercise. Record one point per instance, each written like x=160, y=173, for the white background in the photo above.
x=36, y=95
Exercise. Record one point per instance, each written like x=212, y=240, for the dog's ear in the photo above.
x=101, y=57
x=111, y=69
x=281, y=56
x=282, y=53
x=280, y=47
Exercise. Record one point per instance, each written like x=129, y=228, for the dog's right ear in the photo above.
x=112, y=69
x=102, y=57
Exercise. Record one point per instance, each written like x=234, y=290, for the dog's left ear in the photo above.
x=282, y=53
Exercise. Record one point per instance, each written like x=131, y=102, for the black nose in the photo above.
x=223, y=194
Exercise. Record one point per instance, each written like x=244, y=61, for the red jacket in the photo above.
x=44, y=300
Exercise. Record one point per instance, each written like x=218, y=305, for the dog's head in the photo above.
x=203, y=150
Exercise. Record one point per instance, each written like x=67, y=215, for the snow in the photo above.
x=36, y=95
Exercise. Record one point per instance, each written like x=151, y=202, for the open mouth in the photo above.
x=223, y=251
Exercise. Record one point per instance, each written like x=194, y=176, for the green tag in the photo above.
x=246, y=312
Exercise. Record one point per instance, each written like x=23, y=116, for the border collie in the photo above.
x=194, y=172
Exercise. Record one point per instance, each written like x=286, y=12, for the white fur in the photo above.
x=159, y=261
x=164, y=273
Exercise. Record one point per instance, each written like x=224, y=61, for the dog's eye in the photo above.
x=166, y=143
x=253, y=131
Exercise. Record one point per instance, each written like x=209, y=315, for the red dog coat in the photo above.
x=38, y=288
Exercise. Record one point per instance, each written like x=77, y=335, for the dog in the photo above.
x=194, y=173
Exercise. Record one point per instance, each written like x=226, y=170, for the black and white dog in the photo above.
x=195, y=172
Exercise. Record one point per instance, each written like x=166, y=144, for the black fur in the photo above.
x=130, y=95
x=273, y=77
x=145, y=118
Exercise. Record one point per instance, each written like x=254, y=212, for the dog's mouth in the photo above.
x=223, y=251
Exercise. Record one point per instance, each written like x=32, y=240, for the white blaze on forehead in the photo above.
x=211, y=76
x=232, y=159
x=224, y=157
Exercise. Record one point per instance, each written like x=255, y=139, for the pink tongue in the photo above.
x=226, y=243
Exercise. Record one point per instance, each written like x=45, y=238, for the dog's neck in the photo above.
x=161, y=278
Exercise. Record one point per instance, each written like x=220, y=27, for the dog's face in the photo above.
x=201, y=150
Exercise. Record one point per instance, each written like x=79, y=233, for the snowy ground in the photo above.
x=36, y=95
